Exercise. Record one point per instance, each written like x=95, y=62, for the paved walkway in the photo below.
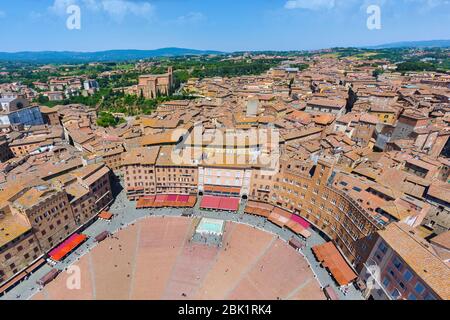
x=126, y=214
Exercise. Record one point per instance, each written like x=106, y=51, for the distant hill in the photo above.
x=413, y=44
x=124, y=55
x=100, y=56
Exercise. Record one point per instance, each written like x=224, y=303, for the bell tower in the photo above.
x=170, y=74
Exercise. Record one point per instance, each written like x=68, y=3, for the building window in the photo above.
x=392, y=273
x=407, y=275
x=419, y=288
x=412, y=297
x=386, y=282
x=397, y=263
x=429, y=296
x=395, y=293
x=383, y=248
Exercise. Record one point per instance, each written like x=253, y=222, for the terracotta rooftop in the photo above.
x=301, y=134
x=441, y=192
x=12, y=227
x=419, y=256
x=442, y=240
x=34, y=195
x=143, y=155
x=167, y=137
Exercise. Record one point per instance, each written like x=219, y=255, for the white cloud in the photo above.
x=92, y=5
x=310, y=4
x=35, y=15
x=317, y=5
x=429, y=3
x=432, y=4
x=116, y=9
x=59, y=7
x=191, y=17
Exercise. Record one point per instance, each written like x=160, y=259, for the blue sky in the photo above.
x=228, y=25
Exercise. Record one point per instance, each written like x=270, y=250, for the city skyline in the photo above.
x=214, y=25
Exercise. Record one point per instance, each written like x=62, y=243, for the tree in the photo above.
x=377, y=72
x=42, y=99
x=106, y=119
x=415, y=66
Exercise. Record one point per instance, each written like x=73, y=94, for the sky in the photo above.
x=225, y=25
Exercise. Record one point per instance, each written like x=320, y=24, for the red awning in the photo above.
x=183, y=198
x=160, y=198
x=305, y=224
x=280, y=217
x=210, y=202
x=191, y=201
x=283, y=213
x=276, y=218
x=145, y=202
x=166, y=200
x=105, y=215
x=294, y=226
x=220, y=203
x=67, y=246
x=171, y=197
x=332, y=259
x=259, y=209
x=229, y=204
